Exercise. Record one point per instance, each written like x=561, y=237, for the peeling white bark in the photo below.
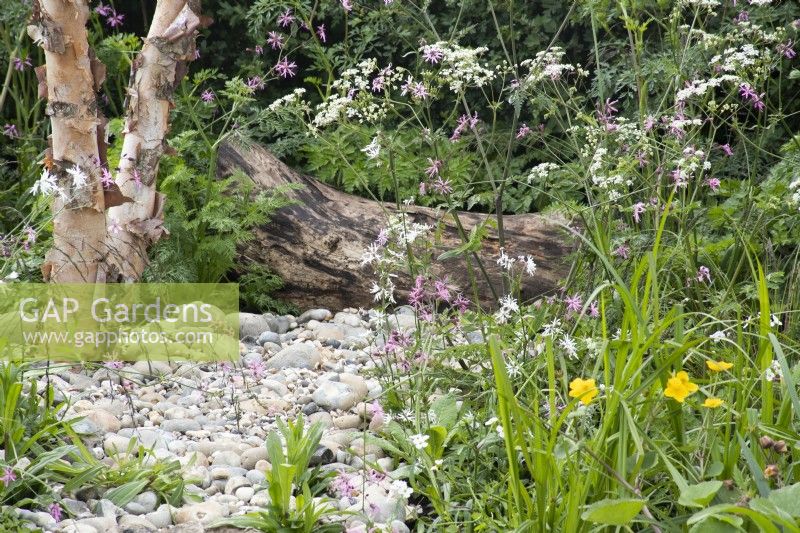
x=70, y=81
x=157, y=70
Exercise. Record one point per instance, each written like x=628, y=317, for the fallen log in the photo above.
x=316, y=246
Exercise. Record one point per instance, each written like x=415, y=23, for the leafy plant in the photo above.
x=292, y=486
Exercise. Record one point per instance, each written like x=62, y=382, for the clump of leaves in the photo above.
x=255, y=291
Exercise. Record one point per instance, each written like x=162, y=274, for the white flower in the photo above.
x=373, y=149
x=419, y=440
x=774, y=372
x=505, y=261
x=774, y=321
x=383, y=293
x=552, y=329
x=79, y=177
x=569, y=346
x=530, y=264
x=11, y=277
x=46, y=184
x=372, y=255
x=508, y=306
x=401, y=488
x=514, y=368
x=718, y=336
x=491, y=421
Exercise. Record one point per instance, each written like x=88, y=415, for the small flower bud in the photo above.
x=729, y=484
x=766, y=442
x=780, y=446
x=771, y=471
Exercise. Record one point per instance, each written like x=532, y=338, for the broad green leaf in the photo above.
x=787, y=499
x=124, y=494
x=699, y=495
x=613, y=512
x=715, y=525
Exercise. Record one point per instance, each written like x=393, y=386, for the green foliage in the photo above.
x=255, y=288
x=289, y=450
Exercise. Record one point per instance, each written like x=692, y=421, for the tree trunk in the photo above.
x=155, y=74
x=70, y=81
x=316, y=246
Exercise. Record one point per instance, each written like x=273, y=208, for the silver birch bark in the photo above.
x=156, y=72
x=70, y=79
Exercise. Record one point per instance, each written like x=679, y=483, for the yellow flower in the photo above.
x=712, y=403
x=718, y=366
x=679, y=387
x=585, y=389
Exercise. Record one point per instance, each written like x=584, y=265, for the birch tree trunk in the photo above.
x=70, y=80
x=156, y=72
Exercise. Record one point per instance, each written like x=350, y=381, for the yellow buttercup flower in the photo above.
x=679, y=387
x=712, y=403
x=585, y=389
x=718, y=366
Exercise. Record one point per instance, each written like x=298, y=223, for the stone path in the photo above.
x=214, y=419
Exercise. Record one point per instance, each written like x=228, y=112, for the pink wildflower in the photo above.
x=286, y=19
x=286, y=69
x=574, y=304
x=442, y=291
x=442, y=186
x=257, y=367
x=55, y=511
x=787, y=49
x=344, y=485
x=622, y=251
x=727, y=149
x=461, y=303
x=638, y=209
x=383, y=237
x=106, y=179
x=434, y=165
x=417, y=294
x=713, y=183
x=432, y=54
x=255, y=83
x=275, y=40
x=703, y=273
x=523, y=131
x=21, y=64
x=594, y=310
x=347, y=5
x=10, y=130
x=102, y=10
x=418, y=90
x=321, y=33
x=8, y=476
x=114, y=19
x=207, y=96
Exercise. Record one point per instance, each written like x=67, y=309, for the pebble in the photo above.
x=295, y=356
x=335, y=395
x=214, y=421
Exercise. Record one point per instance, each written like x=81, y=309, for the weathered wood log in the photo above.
x=317, y=245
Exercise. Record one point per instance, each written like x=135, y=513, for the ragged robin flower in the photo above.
x=679, y=387
x=585, y=389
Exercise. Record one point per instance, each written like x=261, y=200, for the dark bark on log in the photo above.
x=316, y=246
